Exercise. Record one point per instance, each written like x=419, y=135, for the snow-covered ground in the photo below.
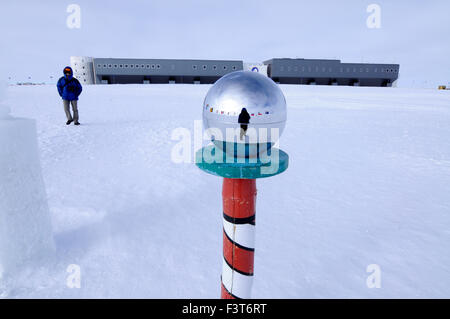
x=368, y=183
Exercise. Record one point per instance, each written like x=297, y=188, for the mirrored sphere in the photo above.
x=247, y=108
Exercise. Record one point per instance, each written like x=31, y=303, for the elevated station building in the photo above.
x=331, y=72
x=284, y=71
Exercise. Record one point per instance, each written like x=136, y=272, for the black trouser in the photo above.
x=244, y=128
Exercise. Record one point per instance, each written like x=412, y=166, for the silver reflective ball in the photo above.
x=262, y=99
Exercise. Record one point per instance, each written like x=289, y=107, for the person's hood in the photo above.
x=68, y=68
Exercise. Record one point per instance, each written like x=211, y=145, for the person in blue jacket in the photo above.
x=69, y=88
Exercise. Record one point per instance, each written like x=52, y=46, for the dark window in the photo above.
x=194, y=67
x=120, y=65
x=234, y=67
x=214, y=67
x=158, y=66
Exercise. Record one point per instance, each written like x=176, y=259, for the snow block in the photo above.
x=4, y=110
x=25, y=223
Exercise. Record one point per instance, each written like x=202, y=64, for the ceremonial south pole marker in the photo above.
x=241, y=152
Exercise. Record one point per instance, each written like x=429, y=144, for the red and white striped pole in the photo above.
x=222, y=108
x=239, y=199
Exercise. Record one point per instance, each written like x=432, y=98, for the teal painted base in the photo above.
x=243, y=149
x=213, y=160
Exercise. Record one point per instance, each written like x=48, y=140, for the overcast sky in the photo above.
x=37, y=42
